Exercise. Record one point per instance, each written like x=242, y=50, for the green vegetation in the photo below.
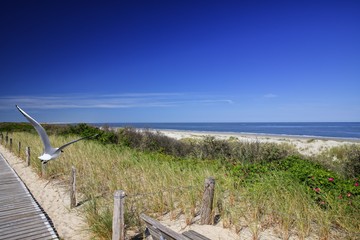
x=15, y=127
x=343, y=159
x=331, y=195
x=258, y=185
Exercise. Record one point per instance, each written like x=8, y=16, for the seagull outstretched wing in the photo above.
x=49, y=152
x=40, y=130
x=67, y=144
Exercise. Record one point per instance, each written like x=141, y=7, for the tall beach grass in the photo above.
x=158, y=184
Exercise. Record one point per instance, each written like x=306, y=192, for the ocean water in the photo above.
x=347, y=130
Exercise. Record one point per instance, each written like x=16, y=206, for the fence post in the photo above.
x=73, y=187
x=2, y=137
x=207, y=201
x=10, y=147
x=28, y=156
x=43, y=169
x=19, y=148
x=6, y=140
x=118, y=224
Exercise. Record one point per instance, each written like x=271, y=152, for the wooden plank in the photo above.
x=19, y=216
x=21, y=232
x=16, y=196
x=13, y=197
x=25, y=227
x=18, y=205
x=163, y=231
x=6, y=179
x=11, y=191
x=40, y=238
x=22, y=221
x=159, y=231
x=7, y=185
x=207, y=201
x=30, y=234
x=191, y=234
x=15, y=207
x=154, y=233
x=28, y=156
x=118, y=226
x=14, y=204
x=19, y=211
x=73, y=201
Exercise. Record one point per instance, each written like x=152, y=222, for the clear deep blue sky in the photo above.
x=180, y=61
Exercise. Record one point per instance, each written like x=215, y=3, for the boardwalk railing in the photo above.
x=159, y=231
x=118, y=227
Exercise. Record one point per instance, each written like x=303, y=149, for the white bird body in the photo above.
x=49, y=153
x=49, y=156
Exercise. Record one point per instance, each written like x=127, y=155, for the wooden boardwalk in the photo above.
x=21, y=217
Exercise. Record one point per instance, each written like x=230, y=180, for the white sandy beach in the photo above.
x=53, y=195
x=305, y=145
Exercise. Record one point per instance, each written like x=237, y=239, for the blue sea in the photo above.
x=343, y=130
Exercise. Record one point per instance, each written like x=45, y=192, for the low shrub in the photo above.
x=147, y=140
x=344, y=160
x=236, y=152
x=322, y=183
x=15, y=127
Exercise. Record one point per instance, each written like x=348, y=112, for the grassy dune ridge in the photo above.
x=249, y=193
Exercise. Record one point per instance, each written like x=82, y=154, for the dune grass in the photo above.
x=342, y=159
x=159, y=184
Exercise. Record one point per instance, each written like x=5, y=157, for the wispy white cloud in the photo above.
x=270, y=95
x=126, y=100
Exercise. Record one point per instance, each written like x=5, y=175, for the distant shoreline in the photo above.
x=248, y=134
x=348, y=131
x=237, y=134
x=305, y=145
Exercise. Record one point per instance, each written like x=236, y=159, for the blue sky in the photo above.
x=180, y=61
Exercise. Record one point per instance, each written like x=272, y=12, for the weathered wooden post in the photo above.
x=1, y=136
x=207, y=201
x=10, y=147
x=118, y=224
x=73, y=187
x=27, y=156
x=6, y=140
x=19, y=148
x=43, y=169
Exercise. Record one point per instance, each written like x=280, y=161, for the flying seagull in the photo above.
x=49, y=153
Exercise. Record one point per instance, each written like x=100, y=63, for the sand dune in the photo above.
x=54, y=197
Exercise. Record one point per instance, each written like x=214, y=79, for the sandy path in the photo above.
x=53, y=198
